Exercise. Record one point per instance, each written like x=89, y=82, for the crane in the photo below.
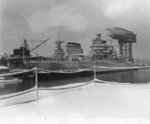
x=36, y=53
x=39, y=45
x=125, y=39
x=122, y=35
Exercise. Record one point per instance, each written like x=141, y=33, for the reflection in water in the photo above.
x=59, y=82
x=6, y=88
x=134, y=76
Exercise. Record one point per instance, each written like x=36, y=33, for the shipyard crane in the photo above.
x=39, y=45
x=122, y=35
x=36, y=53
x=125, y=39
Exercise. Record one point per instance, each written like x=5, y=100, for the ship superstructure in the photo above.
x=59, y=53
x=24, y=50
x=74, y=51
x=100, y=49
x=73, y=48
x=22, y=55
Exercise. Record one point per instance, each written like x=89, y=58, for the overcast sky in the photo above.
x=79, y=21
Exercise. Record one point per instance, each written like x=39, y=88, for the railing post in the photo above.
x=95, y=74
x=36, y=84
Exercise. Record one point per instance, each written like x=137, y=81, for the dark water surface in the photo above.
x=132, y=76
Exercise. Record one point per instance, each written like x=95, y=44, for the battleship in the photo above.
x=101, y=54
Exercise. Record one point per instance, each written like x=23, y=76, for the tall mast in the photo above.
x=59, y=33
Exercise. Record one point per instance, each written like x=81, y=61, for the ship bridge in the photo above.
x=100, y=49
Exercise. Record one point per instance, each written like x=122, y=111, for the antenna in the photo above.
x=59, y=33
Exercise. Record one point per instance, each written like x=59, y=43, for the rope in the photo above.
x=18, y=94
x=14, y=73
x=44, y=70
x=2, y=98
x=65, y=87
x=135, y=67
x=90, y=68
x=118, y=83
x=50, y=71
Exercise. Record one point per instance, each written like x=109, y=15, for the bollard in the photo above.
x=36, y=84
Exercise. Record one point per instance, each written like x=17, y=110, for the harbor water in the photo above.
x=131, y=76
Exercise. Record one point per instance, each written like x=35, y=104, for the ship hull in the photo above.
x=61, y=75
x=65, y=65
x=61, y=65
